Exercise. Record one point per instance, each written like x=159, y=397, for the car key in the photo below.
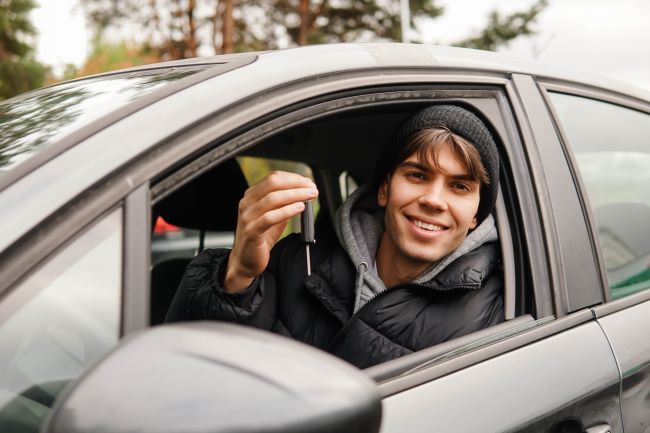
x=307, y=231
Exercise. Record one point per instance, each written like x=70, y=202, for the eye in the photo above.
x=460, y=186
x=415, y=175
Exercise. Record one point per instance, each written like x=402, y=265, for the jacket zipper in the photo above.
x=356, y=314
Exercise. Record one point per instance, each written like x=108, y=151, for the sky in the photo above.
x=606, y=37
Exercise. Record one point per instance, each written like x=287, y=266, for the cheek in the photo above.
x=465, y=213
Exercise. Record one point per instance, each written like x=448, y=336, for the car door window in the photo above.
x=612, y=149
x=57, y=321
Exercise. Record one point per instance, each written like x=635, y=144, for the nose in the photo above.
x=434, y=196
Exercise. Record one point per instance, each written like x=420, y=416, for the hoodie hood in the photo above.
x=359, y=225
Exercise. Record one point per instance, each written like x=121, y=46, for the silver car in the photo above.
x=110, y=184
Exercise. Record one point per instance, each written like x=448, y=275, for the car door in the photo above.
x=609, y=136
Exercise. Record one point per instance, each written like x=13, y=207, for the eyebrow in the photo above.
x=425, y=168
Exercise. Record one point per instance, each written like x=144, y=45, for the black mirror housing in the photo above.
x=217, y=377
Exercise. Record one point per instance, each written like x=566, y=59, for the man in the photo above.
x=413, y=263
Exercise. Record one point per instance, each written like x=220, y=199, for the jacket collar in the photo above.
x=359, y=225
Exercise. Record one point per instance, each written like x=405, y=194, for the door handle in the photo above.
x=603, y=428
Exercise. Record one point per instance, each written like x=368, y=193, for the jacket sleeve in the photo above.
x=201, y=296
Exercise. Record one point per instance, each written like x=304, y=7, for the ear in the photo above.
x=473, y=224
x=382, y=194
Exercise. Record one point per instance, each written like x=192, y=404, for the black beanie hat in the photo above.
x=459, y=121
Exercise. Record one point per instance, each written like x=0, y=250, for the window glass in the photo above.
x=33, y=121
x=612, y=149
x=63, y=317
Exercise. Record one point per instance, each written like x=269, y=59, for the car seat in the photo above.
x=625, y=243
x=208, y=203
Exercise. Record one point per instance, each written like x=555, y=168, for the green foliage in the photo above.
x=501, y=30
x=106, y=57
x=19, y=71
x=271, y=24
x=348, y=20
x=168, y=26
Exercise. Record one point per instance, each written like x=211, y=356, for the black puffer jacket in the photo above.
x=465, y=297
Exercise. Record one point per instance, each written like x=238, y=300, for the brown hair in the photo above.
x=426, y=144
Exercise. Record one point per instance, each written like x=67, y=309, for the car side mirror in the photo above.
x=217, y=377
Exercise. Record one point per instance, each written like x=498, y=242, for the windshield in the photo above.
x=33, y=121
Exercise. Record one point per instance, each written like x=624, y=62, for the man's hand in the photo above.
x=263, y=214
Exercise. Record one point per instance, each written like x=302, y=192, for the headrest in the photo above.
x=623, y=223
x=210, y=202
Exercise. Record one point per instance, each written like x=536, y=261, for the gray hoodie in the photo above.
x=359, y=226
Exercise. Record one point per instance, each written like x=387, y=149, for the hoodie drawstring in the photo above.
x=361, y=270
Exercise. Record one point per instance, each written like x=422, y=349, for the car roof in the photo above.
x=392, y=54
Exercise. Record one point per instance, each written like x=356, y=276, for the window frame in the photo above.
x=233, y=144
x=577, y=279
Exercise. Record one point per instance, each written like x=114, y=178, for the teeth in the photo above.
x=430, y=227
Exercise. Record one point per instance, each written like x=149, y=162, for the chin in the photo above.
x=415, y=255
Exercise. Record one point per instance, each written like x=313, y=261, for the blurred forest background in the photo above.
x=177, y=29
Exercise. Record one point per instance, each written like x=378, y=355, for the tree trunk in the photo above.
x=228, y=32
x=192, y=44
x=216, y=29
x=305, y=24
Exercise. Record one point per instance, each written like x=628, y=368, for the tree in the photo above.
x=501, y=30
x=325, y=21
x=174, y=29
x=19, y=70
x=111, y=56
x=181, y=28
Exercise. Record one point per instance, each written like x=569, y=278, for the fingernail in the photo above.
x=313, y=192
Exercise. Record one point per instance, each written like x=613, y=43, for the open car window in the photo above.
x=341, y=149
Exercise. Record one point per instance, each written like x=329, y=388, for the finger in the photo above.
x=278, y=199
x=274, y=217
x=250, y=210
x=276, y=181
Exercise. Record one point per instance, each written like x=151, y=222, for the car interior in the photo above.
x=340, y=149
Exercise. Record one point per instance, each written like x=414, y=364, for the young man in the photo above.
x=413, y=262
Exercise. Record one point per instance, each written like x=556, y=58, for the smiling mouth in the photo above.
x=427, y=226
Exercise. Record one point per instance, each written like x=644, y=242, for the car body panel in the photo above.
x=541, y=380
x=628, y=332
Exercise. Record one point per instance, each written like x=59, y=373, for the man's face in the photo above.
x=428, y=211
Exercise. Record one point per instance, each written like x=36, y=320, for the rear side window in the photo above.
x=612, y=149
